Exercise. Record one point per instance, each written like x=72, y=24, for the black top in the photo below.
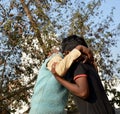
x=97, y=102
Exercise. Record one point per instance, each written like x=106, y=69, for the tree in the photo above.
x=29, y=31
x=23, y=49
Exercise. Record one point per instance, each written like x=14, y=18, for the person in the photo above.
x=49, y=96
x=84, y=82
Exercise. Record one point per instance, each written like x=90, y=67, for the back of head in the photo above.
x=71, y=42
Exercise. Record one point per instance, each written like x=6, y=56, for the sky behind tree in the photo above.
x=107, y=6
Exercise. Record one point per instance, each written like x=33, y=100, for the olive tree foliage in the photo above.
x=26, y=37
x=28, y=31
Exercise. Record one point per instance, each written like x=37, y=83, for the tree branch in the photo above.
x=33, y=23
x=14, y=93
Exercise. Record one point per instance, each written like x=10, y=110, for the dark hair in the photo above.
x=71, y=42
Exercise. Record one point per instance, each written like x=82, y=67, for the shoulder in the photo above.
x=55, y=58
x=81, y=68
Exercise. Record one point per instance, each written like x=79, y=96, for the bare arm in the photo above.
x=86, y=51
x=80, y=88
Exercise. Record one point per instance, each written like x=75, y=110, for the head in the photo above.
x=54, y=49
x=71, y=42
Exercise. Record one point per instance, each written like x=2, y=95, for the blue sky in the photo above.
x=108, y=4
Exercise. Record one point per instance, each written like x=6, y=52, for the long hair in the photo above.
x=71, y=42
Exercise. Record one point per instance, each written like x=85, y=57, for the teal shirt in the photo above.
x=49, y=97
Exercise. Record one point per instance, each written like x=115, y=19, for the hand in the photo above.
x=53, y=69
x=87, y=52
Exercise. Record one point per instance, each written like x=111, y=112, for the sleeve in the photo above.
x=64, y=64
x=55, y=58
x=80, y=71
